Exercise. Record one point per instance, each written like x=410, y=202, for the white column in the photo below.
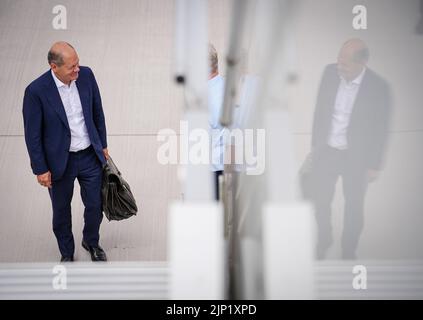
x=196, y=251
x=288, y=251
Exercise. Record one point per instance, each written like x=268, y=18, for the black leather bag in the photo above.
x=118, y=200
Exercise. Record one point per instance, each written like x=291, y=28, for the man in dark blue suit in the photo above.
x=65, y=134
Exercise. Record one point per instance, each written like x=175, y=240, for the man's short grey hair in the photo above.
x=214, y=62
x=56, y=57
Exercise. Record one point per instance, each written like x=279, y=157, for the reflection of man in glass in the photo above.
x=348, y=139
x=216, y=88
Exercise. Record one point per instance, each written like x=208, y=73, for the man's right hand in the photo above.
x=45, y=179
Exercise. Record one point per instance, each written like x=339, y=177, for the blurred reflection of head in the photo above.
x=352, y=59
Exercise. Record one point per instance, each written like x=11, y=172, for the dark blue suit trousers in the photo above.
x=84, y=166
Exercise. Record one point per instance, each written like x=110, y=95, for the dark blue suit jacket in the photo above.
x=47, y=133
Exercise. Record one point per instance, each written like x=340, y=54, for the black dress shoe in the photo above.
x=66, y=259
x=97, y=253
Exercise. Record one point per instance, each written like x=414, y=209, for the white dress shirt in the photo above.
x=216, y=87
x=344, y=103
x=222, y=137
x=73, y=108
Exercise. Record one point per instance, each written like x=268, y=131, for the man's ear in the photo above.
x=53, y=66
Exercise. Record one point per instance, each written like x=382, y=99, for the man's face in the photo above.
x=348, y=67
x=69, y=70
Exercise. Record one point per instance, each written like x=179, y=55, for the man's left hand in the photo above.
x=106, y=153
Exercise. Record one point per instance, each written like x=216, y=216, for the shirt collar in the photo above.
x=214, y=80
x=58, y=83
x=358, y=79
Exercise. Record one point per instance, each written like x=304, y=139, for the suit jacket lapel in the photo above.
x=53, y=97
